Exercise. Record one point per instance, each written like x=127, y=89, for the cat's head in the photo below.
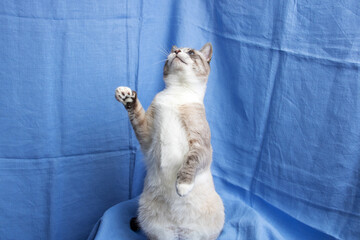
x=188, y=62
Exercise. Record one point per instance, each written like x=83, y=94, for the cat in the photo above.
x=179, y=200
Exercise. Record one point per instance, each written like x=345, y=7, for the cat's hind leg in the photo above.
x=154, y=217
x=160, y=234
x=159, y=231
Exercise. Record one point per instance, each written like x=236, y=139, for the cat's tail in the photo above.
x=134, y=224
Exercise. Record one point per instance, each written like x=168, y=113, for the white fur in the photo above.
x=163, y=214
x=183, y=189
x=124, y=95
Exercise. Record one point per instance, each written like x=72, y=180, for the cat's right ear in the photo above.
x=174, y=48
x=206, y=50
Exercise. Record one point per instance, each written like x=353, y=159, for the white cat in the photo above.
x=179, y=200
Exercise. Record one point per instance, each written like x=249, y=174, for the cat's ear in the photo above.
x=206, y=50
x=173, y=48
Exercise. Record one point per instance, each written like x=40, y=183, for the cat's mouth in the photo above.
x=179, y=59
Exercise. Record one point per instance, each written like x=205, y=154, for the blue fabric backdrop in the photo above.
x=283, y=104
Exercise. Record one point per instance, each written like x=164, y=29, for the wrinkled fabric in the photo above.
x=282, y=103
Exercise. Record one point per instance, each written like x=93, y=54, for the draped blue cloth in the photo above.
x=283, y=104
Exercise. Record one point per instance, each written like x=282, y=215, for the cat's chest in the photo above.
x=170, y=135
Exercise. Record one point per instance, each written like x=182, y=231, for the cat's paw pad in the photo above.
x=125, y=95
x=183, y=189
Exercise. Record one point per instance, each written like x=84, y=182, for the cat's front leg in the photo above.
x=199, y=156
x=140, y=120
x=126, y=96
x=185, y=180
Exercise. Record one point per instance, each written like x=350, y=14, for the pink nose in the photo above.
x=177, y=51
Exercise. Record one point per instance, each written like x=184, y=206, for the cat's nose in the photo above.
x=177, y=51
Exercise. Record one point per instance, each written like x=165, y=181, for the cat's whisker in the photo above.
x=165, y=53
x=164, y=60
x=162, y=50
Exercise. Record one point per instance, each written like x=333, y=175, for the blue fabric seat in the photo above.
x=242, y=222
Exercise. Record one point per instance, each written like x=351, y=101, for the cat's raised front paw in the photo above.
x=183, y=189
x=126, y=96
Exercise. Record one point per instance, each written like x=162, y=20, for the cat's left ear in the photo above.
x=173, y=48
x=206, y=50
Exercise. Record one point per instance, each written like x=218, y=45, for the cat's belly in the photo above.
x=170, y=144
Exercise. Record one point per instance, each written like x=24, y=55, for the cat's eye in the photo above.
x=191, y=52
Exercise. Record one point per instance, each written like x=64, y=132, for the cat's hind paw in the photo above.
x=126, y=96
x=183, y=189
